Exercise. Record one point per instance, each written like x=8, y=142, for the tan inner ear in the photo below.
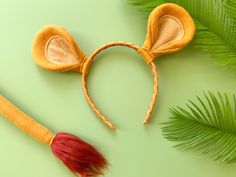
x=170, y=29
x=59, y=51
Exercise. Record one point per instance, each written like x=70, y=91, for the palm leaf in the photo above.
x=208, y=126
x=215, y=24
x=231, y=8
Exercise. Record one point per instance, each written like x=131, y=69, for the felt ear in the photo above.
x=170, y=28
x=55, y=49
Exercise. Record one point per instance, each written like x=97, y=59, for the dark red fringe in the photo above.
x=79, y=156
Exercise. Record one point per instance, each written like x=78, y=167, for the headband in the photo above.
x=170, y=28
x=79, y=156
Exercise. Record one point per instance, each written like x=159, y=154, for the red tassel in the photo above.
x=79, y=156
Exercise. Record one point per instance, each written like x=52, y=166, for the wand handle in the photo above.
x=24, y=122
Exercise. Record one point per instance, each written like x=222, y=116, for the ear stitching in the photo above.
x=170, y=28
x=55, y=49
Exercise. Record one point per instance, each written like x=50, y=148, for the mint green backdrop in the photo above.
x=120, y=82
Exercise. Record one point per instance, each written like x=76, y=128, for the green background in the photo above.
x=120, y=82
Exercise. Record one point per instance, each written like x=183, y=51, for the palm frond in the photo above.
x=208, y=126
x=215, y=23
x=231, y=8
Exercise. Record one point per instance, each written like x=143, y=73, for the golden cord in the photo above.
x=84, y=78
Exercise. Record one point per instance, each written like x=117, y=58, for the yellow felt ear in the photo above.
x=170, y=28
x=55, y=49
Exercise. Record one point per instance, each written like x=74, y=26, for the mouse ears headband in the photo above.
x=170, y=28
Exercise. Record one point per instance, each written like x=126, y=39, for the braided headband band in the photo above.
x=170, y=28
x=84, y=77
